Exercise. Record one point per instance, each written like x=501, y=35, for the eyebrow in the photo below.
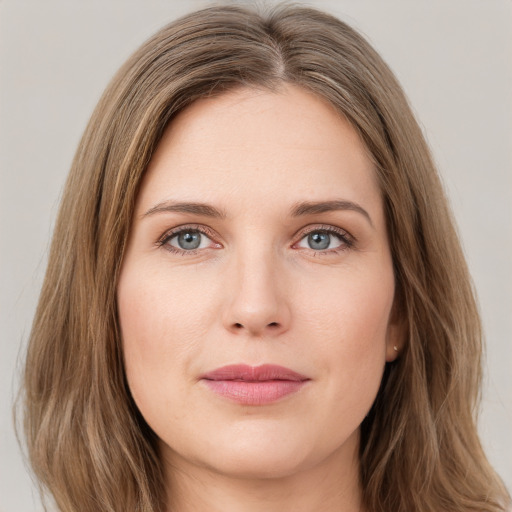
x=298, y=210
x=202, y=209
x=312, y=208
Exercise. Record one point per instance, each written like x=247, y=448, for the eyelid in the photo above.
x=348, y=239
x=170, y=233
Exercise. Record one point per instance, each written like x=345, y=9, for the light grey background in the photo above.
x=454, y=59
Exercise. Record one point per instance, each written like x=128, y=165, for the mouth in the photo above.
x=254, y=385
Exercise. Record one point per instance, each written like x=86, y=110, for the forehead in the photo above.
x=260, y=144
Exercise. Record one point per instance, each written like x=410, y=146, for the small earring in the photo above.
x=395, y=348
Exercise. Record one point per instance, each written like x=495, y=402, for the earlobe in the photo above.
x=393, y=342
x=395, y=336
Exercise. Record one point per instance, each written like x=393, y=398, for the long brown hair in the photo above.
x=87, y=442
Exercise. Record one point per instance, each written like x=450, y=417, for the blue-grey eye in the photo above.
x=189, y=239
x=321, y=240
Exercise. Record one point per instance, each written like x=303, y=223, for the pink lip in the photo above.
x=254, y=385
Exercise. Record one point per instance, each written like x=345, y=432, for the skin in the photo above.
x=255, y=292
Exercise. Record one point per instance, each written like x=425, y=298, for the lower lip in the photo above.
x=254, y=393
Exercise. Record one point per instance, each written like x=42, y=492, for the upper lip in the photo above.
x=243, y=372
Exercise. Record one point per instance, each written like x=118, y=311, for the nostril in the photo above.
x=238, y=326
x=273, y=324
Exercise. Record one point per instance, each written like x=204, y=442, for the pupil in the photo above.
x=189, y=240
x=319, y=240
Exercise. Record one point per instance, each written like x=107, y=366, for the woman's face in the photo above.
x=258, y=239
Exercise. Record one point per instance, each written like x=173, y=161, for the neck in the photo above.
x=331, y=486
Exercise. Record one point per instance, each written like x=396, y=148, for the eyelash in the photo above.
x=169, y=235
x=348, y=241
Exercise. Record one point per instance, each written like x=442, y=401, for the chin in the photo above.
x=260, y=464
x=259, y=452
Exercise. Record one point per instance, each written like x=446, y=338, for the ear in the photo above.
x=395, y=334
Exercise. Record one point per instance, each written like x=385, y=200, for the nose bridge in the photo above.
x=257, y=303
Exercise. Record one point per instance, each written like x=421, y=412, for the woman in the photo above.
x=255, y=297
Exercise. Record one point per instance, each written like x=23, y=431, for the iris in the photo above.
x=319, y=241
x=189, y=240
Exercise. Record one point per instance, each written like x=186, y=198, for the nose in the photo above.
x=258, y=303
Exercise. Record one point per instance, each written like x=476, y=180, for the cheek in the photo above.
x=155, y=308
x=352, y=305
x=349, y=324
x=161, y=327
